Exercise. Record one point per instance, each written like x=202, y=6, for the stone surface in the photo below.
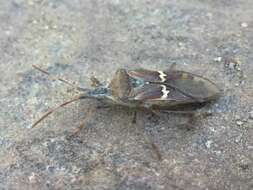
x=78, y=39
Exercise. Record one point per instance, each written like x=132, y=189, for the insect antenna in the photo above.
x=52, y=110
x=60, y=79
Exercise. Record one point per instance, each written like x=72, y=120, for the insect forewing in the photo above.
x=192, y=85
x=172, y=85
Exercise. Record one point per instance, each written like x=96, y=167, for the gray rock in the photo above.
x=79, y=39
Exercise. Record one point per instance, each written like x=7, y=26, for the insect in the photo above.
x=146, y=89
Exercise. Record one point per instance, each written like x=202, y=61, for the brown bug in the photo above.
x=145, y=89
x=163, y=91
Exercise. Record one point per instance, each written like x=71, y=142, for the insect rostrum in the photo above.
x=141, y=88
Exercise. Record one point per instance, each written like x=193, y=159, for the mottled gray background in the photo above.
x=80, y=38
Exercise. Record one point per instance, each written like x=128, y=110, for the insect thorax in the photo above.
x=120, y=86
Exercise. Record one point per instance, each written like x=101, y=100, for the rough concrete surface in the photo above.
x=81, y=38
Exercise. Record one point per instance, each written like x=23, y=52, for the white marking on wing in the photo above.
x=165, y=92
x=162, y=76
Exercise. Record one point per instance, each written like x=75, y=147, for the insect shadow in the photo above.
x=171, y=91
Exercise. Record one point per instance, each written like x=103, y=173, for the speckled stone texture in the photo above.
x=81, y=38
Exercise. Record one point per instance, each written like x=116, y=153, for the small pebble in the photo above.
x=238, y=139
x=244, y=24
x=180, y=44
x=34, y=21
x=30, y=3
x=7, y=32
x=234, y=64
x=218, y=59
x=231, y=65
x=239, y=123
x=32, y=177
x=208, y=144
x=238, y=68
x=209, y=15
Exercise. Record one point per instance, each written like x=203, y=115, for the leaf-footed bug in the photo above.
x=168, y=91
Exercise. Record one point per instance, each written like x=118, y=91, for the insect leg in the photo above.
x=134, y=117
x=59, y=78
x=82, y=125
x=102, y=106
x=179, y=112
x=57, y=107
x=95, y=82
x=152, y=145
x=77, y=131
x=194, y=113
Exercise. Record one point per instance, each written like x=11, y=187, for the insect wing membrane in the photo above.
x=192, y=85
